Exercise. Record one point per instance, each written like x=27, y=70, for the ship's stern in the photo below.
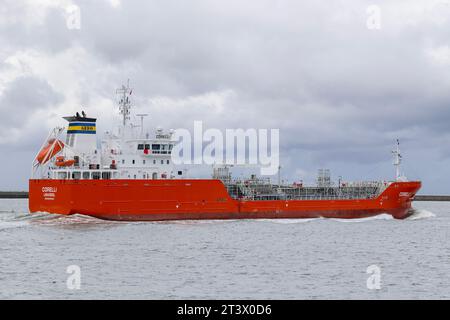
x=52, y=196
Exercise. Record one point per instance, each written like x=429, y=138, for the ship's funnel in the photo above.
x=81, y=134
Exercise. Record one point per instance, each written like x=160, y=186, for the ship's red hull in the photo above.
x=150, y=200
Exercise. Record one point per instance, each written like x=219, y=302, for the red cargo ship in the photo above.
x=131, y=177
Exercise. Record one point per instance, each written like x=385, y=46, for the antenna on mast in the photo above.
x=397, y=160
x=124, y=94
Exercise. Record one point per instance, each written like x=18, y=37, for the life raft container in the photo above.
x=51, y=149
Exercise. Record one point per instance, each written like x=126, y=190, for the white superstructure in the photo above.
x=125, y=153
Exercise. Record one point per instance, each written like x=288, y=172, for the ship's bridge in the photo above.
x=142, y=157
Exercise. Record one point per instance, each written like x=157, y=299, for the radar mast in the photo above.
x=124, y=94
x=397, y=160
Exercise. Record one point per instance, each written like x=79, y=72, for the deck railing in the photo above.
x=264, y=190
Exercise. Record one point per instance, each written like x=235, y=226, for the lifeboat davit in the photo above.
x=61, y=162
x=50, y=150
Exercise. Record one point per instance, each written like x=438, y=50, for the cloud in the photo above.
x=20, y=102
x=339, y=93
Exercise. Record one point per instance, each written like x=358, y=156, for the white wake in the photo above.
x=420, y=214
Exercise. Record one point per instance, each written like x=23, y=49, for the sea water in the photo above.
x=373, y=258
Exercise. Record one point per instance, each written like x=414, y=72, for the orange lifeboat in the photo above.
x=61, y=162
x=52, y=148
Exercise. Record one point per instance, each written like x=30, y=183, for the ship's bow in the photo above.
x=403, y=194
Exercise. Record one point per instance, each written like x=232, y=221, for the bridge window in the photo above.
x=86, y=175
x=156, y=148
x=147, y=146
x=141, y=146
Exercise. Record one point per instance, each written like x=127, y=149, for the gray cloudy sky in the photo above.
x=339, y=92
